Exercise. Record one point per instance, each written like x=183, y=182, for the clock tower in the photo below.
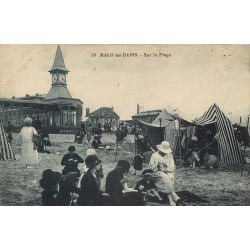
x=58, y=73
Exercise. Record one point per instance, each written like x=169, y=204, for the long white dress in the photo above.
x=164, y=178
x=163, y=174
x=29, y=155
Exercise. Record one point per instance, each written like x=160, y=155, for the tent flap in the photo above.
x=229, y=149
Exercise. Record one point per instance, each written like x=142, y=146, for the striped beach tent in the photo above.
x=6, y=152
x=229, y=148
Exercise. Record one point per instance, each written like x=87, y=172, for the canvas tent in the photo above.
x=165, y=120
x=164, y=128
x=6, y=153
x=229, y=149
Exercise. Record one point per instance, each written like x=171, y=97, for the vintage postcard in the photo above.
x=124, y=125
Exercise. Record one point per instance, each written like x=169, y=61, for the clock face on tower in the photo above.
x=54, y=78
x=62, y=78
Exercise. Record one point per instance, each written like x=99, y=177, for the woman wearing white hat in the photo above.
x=163, y=166
x=29, y=153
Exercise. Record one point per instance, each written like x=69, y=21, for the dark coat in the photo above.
x=90, y=193
x=51, y=198
x=138, y=162
x=147, y=185
x=114, y=186
x=95, y=144
x=69, y=165
x=143, y=146
x=65, y=191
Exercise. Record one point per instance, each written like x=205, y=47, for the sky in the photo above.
x=190, y=78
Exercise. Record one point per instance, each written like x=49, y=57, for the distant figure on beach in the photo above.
x=9, y=129
x=96, y=143
x=79, y=137
x=29, y=151
x=88, y=132
x=37, y=124
x=45, y=141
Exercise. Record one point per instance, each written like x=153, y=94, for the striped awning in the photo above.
x=6, y=152
x=229, y=149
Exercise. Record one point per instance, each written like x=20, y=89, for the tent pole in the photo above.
x=135, y=139
x=180, y=137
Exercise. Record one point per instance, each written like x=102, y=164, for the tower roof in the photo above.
x=58, y=62
x=58, y=91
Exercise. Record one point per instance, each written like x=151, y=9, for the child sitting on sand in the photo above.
x=138, y=162
x=147, y=186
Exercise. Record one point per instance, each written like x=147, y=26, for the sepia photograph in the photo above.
x=124, y=125
x=135, y=113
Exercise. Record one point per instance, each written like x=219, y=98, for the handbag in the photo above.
x=36, y=141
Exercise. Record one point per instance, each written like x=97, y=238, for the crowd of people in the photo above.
x=66, y=188
x=84, y=135
x=82, y=186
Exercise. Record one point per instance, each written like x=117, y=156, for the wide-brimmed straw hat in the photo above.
x=27, y=121
x=164, y=147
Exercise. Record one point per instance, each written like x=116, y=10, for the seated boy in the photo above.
x=147, y=185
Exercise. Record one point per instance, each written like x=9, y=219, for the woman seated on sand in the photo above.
x=50, y=183
x=163, y=166
x=117, y=187
x=99, y=172
x=90, y=193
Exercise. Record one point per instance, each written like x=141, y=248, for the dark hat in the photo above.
x=147, y=172
x=91, y=161
x=71, y=148
x=49, y=179
x=124, y=164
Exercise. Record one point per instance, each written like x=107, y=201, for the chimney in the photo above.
x=138, y=108
x=87, y=111
x=112, y=108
